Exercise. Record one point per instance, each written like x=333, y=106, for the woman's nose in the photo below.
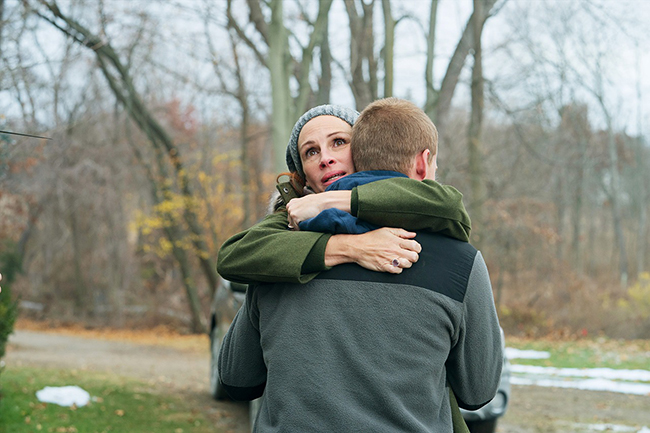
x=326, y=161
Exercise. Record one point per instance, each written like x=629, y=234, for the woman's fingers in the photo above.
x=404, y=234
x=386, y=250
x=411, y=245
x=402, y=250
x=409, y=260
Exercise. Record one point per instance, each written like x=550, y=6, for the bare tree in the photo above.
x=325, y=78
x=388, y=51
x=613, y=189
x=282, y=66
x=363, y=61
x=438, y=101
x=121, y=83
x=2, y=23
x=476, y=122
x=643, y=179
x=250, y=173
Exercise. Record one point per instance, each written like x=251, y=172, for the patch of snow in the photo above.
x=63, y=395
x=600, y=373
x=606, y=427
x=586, y=384
x=512, y=353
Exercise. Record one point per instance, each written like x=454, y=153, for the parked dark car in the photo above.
x=230, y=296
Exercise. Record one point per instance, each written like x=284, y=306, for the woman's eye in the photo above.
x=339, y=142
x=311, y=152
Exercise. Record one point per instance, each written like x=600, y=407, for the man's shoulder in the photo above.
x=444, y=267
x=440, y=244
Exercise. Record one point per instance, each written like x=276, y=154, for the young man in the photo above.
x=356, y=350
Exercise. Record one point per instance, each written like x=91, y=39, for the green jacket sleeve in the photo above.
x=268, y=252
x=413, y=205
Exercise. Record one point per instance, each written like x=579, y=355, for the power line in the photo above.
x=24, y=135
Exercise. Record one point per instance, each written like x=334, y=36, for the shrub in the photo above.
x=10, y=266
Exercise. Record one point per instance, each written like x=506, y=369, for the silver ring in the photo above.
x=289, y=226
x=396, y=263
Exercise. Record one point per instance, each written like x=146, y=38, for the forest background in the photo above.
x=166, y=123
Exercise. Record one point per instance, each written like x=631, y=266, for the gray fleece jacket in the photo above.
x=361, y=351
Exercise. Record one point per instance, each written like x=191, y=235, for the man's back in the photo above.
x=356, y=350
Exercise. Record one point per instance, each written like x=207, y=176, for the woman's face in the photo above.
x=324, y=147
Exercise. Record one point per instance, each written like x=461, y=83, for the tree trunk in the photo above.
x=283, y=115
x=159, y=192
x=561, y=209
x=389, y=42
x=301, y=102
x=247, y=174
x=614, y=194
x=362, y=57
x=641, y=174
x=198, y=325
x=2, y=22
x=432, y=94
x=642, y=195
x=475, y=125
x=578, y=204
x=80, y=289
x=325, y=79
x=643, y=238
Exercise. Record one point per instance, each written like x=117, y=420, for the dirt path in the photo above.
x=532, y=409
x=544, y=410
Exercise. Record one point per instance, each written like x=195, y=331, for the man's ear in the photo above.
x=421, y=165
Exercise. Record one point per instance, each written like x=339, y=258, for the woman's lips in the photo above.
x=330, y=178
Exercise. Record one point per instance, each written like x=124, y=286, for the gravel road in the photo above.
x=532, y=409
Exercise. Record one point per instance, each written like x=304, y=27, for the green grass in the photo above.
x=587, y=353
x=118, y=405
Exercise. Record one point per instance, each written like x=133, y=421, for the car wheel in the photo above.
x=485, y=426
x=216, y=389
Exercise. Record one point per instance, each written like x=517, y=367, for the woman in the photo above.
x=318, y=154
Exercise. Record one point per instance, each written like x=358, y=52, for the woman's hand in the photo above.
x=303, y=208
x=384, y=250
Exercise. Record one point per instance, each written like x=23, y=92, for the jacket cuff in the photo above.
x=315, y=260
x=354, y=202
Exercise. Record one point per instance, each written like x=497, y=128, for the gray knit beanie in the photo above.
x=293, y=157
